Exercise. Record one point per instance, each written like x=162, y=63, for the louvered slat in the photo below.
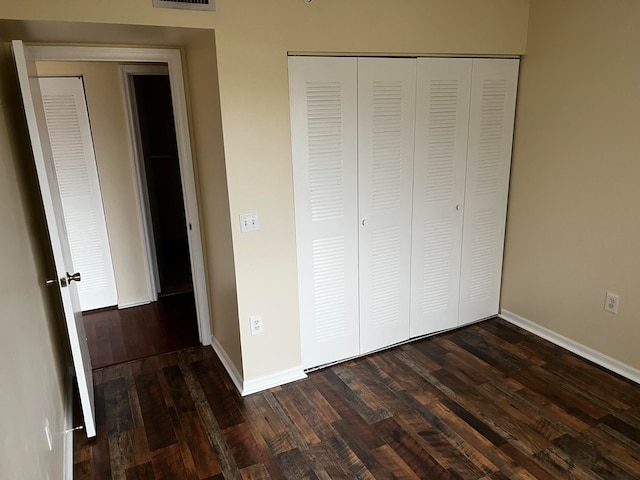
x=326, y=163
x=437, y=257
x=329, y=288
x=491, y=136
x=387, y=145
x=386, y=278
x=483, y=255
x=386, y=194
x=66, y=144
x=86, y=250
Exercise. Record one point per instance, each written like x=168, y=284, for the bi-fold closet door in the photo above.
x=386, y=124
x=352, y=139
x=464, y=128
x=324, y=128
x=400, y=175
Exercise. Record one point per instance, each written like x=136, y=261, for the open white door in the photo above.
x=36, y=123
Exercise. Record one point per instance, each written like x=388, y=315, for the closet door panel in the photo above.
x=323, y=98
x=442, y=119
x=492, y=109
x=386, y=120
x=76, y=170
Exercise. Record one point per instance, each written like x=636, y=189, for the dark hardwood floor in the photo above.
x=117, y=336
x=489, y=401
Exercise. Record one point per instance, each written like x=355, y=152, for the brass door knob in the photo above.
x=73, y=278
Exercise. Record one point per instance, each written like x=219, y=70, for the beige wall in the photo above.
x=105, y=102
x=32, y=372
x=573, y=230
x=252, y=41
x=213, y=194
x=199, y=58
x=253, y=38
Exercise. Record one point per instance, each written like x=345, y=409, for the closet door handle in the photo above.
x=458, y=207
x=364, y=222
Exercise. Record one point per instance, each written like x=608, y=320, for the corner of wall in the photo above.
x=247, y=387
x=579, y=349
x=228, y=364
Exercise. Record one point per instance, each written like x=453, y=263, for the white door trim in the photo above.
x=173, y=59
x=142, y=192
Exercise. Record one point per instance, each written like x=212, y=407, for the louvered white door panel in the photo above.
x=386, y=119
x=76, y=171
x=323, y=99
x=442, y=119
x=493, y=96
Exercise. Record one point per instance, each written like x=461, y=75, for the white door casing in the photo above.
x=442, y=124
x=386, y=119
x=323, y=99
x=491, y=119
x=37, y=128
x=76, y=171
x=142, y=191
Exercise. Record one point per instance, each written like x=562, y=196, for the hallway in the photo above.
x=117, y=336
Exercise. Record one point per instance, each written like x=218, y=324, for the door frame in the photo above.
x=142, y=189
x=173, y=60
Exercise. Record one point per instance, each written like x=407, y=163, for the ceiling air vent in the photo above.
x=186, y=4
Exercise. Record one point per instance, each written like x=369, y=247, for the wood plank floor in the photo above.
x=489, y=401
x=117, y=336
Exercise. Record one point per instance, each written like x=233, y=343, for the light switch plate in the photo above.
x=249, y=222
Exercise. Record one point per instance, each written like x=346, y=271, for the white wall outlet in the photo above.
x=256, y=324
x=611, y=303
x=47, y=432
x=249, y=222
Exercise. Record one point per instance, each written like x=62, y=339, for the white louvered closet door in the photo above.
x=493, y=96
x=386, y=120
x=323, y=99
x=442, y=120
x=76, y=171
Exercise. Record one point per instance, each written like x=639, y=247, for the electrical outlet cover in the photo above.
x=256, y=324
x=611, y=303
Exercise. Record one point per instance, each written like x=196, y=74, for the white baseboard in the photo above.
x=257, y=385
x=273, y=380
x=596, y=357
x=68, y=426
x=133, y=302
x=231, y=369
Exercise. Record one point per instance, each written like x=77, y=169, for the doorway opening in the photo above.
x=26, y=57
x=85, y=106
x=168, y=323
x=170, y=312
x=148, y=93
